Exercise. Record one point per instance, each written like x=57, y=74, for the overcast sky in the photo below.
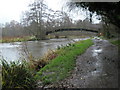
x=12, y=9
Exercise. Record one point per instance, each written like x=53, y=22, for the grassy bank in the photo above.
x=33, y=38
x=55, y=66
x=117, y=43
x=17, y=39
x=114, y=41
x=60, y=67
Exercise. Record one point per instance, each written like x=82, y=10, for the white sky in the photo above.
x=12, y=9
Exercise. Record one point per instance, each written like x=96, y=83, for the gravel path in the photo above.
x=96, y=68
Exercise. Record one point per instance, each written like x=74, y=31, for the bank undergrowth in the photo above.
x=17, y=39
x=55, y=66
x=17, y=75
x=117, y=43
x=60, y=67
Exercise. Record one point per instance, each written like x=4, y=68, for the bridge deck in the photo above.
x=72, y=29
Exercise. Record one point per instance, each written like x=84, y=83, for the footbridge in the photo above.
x=71, y=29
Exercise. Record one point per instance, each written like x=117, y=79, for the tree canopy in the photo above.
x=108, y=10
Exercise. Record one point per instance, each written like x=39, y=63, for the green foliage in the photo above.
x=55, y=66
x=16, y=75
x=60, y=67
x=116, y=42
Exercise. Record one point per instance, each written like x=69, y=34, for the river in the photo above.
x=16, y=50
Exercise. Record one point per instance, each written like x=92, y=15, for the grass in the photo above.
x=59, y=68
x=17, y=39
x=53, y=67
x=17, y=75
x=117, y=43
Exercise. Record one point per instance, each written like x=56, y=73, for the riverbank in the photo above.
x=117, y=43
x=60, y=67
x=55, y=70
x=17, y=39
x=33, y=38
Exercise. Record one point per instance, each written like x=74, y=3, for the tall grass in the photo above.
x=38, y=63
x=53, y=67
x=17, y=75
x=20, y=74
x=17, y=39
x=60, y=67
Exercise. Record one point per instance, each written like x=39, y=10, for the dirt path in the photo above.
x=96, y=68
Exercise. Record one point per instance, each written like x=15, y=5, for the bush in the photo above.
x=16, y=75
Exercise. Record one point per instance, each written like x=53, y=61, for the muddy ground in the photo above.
x=96, y=68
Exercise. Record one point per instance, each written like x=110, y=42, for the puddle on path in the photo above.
x=95, y=73
x=97, y=65
x=96, y=52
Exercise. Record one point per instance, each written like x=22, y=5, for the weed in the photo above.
x=40, y=63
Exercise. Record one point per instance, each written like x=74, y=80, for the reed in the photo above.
x=17, y=75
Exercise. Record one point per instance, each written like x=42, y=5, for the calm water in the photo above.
x=16, y=50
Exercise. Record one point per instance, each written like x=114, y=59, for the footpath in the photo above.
x=96, y=68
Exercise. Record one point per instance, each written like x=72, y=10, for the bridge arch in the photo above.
x=72, y=29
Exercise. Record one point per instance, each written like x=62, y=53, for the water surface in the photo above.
x=18, y=50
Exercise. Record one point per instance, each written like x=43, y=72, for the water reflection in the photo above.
x=14, y=51
x=96, y=52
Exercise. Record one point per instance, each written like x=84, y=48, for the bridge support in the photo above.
x=41, y=36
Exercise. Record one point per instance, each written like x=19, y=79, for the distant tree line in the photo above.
x=39, y=19
x=13, y=29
